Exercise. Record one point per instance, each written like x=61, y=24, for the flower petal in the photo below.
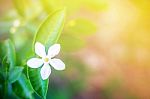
x=54, y=50
x=57, y=64
x=40, y=49
x=34, y=62
x=45, y=71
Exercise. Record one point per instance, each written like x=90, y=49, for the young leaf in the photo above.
x=22, y=88
x=51, y=28
x=14, y=74
x=81, y=27
x=10, y=53
x=47, y=34
x=8, y=57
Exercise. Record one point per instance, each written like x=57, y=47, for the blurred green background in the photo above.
x=105, y=45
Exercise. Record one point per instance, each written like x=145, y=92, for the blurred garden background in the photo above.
x=105, y=45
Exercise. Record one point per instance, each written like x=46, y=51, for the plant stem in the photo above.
x=5, y=89
x=6, y=83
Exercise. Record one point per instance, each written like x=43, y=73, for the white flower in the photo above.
x=46, y=60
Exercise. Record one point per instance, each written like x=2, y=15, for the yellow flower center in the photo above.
x=46, y=59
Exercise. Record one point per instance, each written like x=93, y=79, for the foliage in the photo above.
x=22, y=26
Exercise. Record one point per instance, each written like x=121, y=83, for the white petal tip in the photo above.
x=54, y=50
x=58, y=45
x=57, y=64
x=62, y=67
x=37, y=43
x=45, y=72
x=44, y=78
x=40, y=49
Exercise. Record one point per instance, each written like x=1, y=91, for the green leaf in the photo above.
x=80, y=27
x=39, y=85
x=47, y=34
x=51, y=28
x=76, y=43
x=10, y=53
x=22, y=88
x=2, y=50
x=14, y=74
x=4, y=68
x=27, y=8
